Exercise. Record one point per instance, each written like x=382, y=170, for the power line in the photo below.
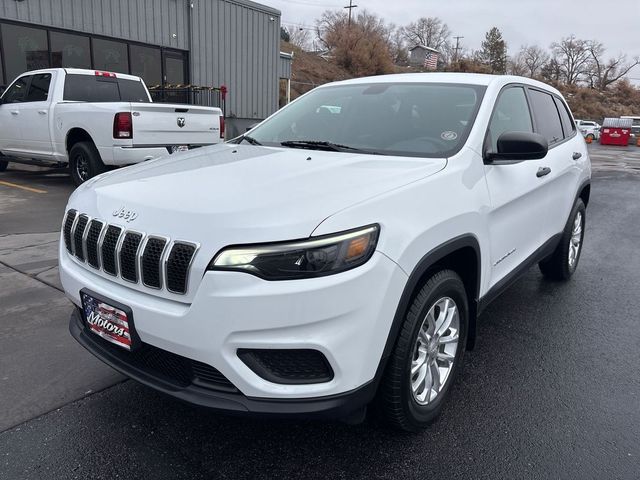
x=457, y=47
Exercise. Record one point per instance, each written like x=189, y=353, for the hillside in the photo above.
x=621, y=98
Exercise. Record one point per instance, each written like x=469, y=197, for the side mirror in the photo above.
x=517, y=146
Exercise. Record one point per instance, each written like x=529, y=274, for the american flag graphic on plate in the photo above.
x=107, y=321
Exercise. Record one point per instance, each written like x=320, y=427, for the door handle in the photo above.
x=14, y=112
x=577, y=155
x=42, y=112
x=542, y=171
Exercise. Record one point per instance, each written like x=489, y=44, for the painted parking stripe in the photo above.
x=22, y=187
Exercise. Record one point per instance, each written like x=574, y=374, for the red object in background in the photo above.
x=616, y=131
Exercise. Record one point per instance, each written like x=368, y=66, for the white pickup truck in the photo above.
x=91, y=119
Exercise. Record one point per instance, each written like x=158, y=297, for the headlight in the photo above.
x=314, y=257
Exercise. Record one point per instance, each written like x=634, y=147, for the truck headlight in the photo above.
x=310, y=258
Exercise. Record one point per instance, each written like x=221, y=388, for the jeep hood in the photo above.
x=232, y=194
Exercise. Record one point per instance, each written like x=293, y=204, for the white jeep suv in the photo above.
x=341, y=251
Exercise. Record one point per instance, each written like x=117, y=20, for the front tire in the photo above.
x=428, y=353
x=85, y=162
x=562, y=264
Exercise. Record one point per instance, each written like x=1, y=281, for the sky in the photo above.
x=541, y=22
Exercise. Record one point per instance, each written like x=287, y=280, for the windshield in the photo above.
x=408, y=119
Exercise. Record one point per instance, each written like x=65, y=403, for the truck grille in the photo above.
x=154, y=260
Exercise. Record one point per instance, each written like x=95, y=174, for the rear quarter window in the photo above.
x=567, y=123
x=90, y=88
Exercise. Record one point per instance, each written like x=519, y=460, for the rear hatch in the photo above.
x=174, y=125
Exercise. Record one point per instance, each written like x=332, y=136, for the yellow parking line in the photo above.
x=22, y=187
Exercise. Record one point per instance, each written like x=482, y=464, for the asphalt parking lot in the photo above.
x=552, y=389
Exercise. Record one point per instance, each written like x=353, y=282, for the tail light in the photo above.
x=123, y=125
x=222, y=127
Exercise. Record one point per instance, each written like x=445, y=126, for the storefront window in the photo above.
x=146, y=63
x=110, y=56
x=25, y=49
x=70, y=51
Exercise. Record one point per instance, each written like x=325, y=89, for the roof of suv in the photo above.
x=445, y=77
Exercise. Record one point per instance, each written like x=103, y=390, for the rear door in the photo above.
x=566, y=151
x=517, y=199
x=34, y=116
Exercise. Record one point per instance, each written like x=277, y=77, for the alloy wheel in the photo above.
x=435, y=350
x=576, y=240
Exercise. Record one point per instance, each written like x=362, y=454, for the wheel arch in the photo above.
x=76, y=135
x=584, y=192
x=460, y=254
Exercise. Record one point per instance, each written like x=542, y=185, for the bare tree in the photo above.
x=361, y=48
x=552, y=71
x=573, y=57
x=398, y=45
x=428, y=31
x=516, y=65
x=605, y=72
x=533, y=57
x=300, y=37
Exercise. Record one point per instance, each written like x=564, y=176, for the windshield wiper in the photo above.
x=249, y=139
x=319, y=145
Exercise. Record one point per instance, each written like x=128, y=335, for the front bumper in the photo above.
x=347, y=317
x=334, y=406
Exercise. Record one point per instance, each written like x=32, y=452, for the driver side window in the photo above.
x=510, y=115
x=17, y=92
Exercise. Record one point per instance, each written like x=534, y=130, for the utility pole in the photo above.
x=455, y=56
x=350, y=8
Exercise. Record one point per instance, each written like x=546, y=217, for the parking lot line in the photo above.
x=22, y=187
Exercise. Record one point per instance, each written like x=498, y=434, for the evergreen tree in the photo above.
x=494, y=51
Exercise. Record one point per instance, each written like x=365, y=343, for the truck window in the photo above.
x=90, y=88
x=39, y=88
x=17, y=92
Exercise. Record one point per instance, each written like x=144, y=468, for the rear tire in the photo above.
x=85, y=162
x=562, y=264
x=3, y=165
x=427, y=355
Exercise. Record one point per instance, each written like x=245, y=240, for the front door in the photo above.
x=10, y=111
x=34, y=117
x=517, y=203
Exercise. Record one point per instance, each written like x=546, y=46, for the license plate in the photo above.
x=179, y=148
x=109, y=320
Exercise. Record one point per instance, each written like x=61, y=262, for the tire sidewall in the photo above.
x=577, y=208
x=448, y=287
x=3, y=165
x=94, y=162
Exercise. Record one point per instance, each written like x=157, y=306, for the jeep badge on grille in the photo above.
x=127, y=215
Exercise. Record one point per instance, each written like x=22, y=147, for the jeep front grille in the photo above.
x=155, y=261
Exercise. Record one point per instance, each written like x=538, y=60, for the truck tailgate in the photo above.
x=169, y=124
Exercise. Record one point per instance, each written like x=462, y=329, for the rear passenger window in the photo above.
x=39, y=88
x=567, y=123
x=511, y=114
x=546, y=114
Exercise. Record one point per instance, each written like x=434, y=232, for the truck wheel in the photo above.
x=3, y=165
x=564, y=260
x=427, y=355
x=85, y=162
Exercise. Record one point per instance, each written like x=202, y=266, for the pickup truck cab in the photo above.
x=589, y=129
x=91, y=119
x=339, y=251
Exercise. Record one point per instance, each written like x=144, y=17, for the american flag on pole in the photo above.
x=431, y=60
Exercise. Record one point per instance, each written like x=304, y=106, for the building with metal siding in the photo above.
x=215, y=42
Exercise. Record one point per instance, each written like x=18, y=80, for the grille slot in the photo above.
x=109, y=245
x=68, y=225
x=129, y=256
x=152, y=262
x=178, y=265
x=78, y=235
x=93, y=236
x=209, y=377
